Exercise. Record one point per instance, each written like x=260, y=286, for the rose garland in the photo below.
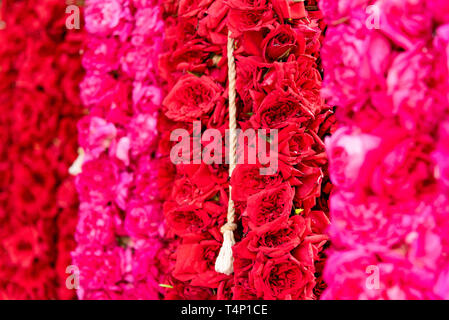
x=193, y=65
x=386, y=68
x=278, y=83
x=119, y=232
x=39, y=96
x=282, y=224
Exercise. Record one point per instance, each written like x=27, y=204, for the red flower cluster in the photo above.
x=281, y=217
x=193, y=66
x=278, y=83
x=40, y=72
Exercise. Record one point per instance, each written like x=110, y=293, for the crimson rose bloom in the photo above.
x=247, y=15
x=270, y=208
x=282, y=42
x=195, y=262
x=185, y=220
x=278, y=108
x=281, y=239
x=246, y=180
x=191, y=98
x=282, y=278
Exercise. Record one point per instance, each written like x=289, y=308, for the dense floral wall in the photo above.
x=115, y=179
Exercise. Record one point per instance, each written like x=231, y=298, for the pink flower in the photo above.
x=389, y=209
x=138, y=61
x=122, y=190
x=102, y=16
x=406, y=22
x=96, y=225
x=99, y=269
x=101, y=54
x=142, y=133
x=403, y=171
x=95, y=135
x=347, y=151
x=341, y=9
x=145, y=183
x=360, y=274
x=441, y=288
x=409, y=84
x=146, y=98
x=345, y=50
x=148, y=21
x=143, y=220
x=97, y=88
x=97, y=182
x=440, y=10
x=441, y=155
x=119, y=230
x=371, y=222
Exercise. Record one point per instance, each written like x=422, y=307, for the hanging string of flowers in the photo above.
x=193, y=66
x=120, y=232
x=386, y=71
x=40, y=69
x=281, y=217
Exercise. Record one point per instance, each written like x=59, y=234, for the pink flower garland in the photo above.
x=119, y=231
x=386, y=69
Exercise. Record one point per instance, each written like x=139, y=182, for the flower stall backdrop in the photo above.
x=40, y=71
x=98, y=200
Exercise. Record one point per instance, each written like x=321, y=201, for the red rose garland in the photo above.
x=278, y=82
x=193, y=65
x=279, y=247
x=41, y=68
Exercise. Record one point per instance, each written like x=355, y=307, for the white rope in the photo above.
x=225, y=260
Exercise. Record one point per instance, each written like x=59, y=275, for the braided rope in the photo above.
x=225, y=260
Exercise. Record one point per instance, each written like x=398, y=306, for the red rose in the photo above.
x=212, y=25
x=295, y=145
x=282, y=278
x=287, y=9
x=191, y=98
x=280, y=239
x=246, y=180
x=190, y=57
x=185, y=193
x=244, y=291
x=185, y=221
x=310, y=187
x=282, y=42
x=247, y=15
x=195, y=262
x=278, y=109
x=249, y=71
x=269, y=208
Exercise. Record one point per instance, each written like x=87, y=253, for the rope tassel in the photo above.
x=225, y=260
